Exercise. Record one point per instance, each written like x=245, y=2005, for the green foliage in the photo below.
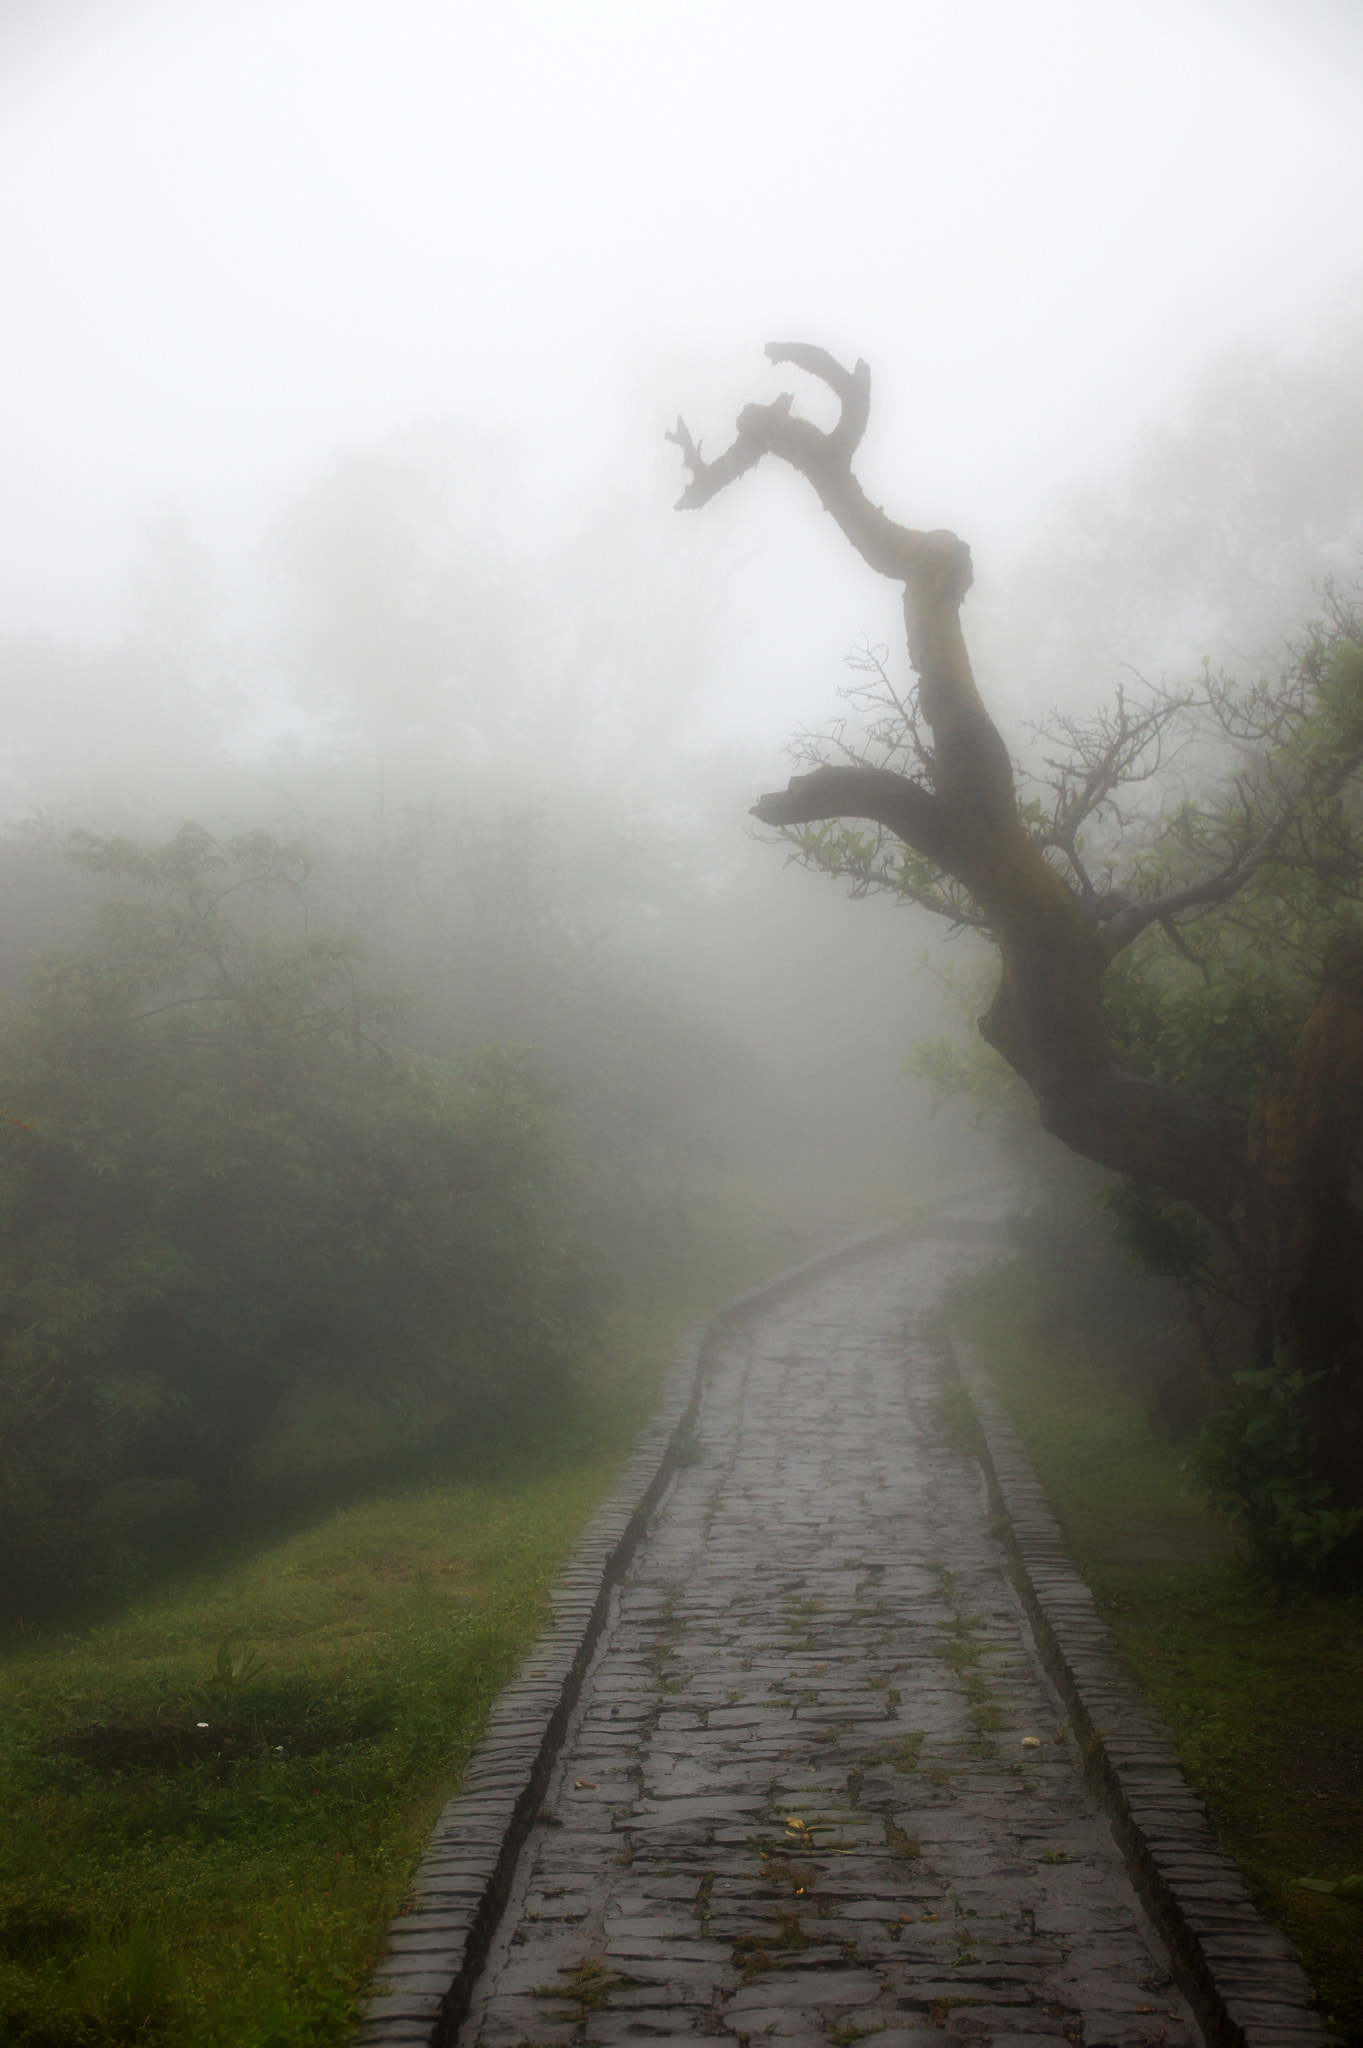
x=1157, y=1236
x=1258, y=1460
x=219, y=1185
x=1213, y=1026
x=104, y=1987
x=253, y=1867
x=975, y=1073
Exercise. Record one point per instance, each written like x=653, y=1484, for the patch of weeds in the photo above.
x=688, y=1450
x=847, y=2035
x=900, y=1844
x=939, y=2009
x=114, y=1986
x=753, y=1953
x=589, y=1985
x=959, y=1652
x=31, y=1932
x=904, y=1754
x=1057, y=1856
x=222, y=1690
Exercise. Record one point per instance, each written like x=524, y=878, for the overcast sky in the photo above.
x=237, y=233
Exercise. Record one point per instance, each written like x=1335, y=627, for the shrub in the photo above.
x=1258, y=1460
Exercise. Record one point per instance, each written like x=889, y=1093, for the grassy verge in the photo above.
x=227, y=1885
x=1262, y=1685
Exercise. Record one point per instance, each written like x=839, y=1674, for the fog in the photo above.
x=339, y=349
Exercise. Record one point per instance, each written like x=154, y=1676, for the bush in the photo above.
x=1258, y=1460
x=220, y=1184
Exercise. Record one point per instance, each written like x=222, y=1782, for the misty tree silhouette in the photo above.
x=936, y=785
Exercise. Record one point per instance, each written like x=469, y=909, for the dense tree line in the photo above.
x=225, y=1185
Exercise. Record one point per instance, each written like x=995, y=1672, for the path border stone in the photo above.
x=436, y=1947
x=1242, y=1976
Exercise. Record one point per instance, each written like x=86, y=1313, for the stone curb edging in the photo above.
x=1242, y=1975
x=436, y=1947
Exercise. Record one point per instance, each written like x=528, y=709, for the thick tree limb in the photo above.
x=825, y=460
x=708, y=479
x=1160, y=1136
x=853, y=388
x=877, y=794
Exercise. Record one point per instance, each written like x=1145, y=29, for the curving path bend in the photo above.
x=817, y=1786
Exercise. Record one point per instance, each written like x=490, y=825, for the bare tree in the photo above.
x=939, y=792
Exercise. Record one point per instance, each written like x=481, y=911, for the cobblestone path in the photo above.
x=817, y=1786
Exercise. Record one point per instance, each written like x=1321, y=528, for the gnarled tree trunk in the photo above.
x=1275, y=1189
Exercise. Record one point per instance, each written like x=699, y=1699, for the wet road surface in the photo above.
x=818, y=1787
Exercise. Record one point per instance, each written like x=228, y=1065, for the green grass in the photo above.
x=239, y=1898
x=230, y=1887
x=1262, y=1684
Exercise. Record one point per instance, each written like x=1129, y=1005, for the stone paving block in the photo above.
x=682, y=1985
x=911, y=2037
x=807, y=1990
x=393, y=2033
x=392, y=2003
x=433, y=1941
x=618, y=2027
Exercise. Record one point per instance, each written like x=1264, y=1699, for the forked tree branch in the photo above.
x=1323, y=781
x=825, y=459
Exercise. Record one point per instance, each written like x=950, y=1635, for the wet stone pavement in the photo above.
x=818, y=1787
